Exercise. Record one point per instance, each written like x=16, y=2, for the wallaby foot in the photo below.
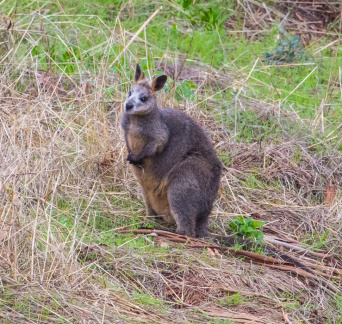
x=201, y=231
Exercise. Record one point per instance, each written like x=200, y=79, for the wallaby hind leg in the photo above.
x=184, y=204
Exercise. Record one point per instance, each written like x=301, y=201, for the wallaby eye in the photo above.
x=129, y=93
x=143, y=98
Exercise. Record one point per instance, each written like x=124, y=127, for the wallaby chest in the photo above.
x=136, y=138
x=142, y=131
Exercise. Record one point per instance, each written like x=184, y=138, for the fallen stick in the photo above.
x=307, y=275
x=298, y=248
x=324, y=268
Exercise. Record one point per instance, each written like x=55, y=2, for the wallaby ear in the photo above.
x=139, y=75
x=159, y=82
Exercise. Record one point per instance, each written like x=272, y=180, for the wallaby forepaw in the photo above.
x=135, y=162
x=134, y=159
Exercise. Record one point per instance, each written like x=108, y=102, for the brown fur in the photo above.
x=135, y=141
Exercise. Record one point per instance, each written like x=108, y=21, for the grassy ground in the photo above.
x=265, y=83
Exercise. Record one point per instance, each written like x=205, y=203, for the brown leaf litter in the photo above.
x=199, y=284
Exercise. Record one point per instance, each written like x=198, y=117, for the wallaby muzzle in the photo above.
x=129, y=106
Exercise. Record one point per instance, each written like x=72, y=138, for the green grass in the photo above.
x=143, y=299
x=270, y=82
x=98, y=227
x=32, y=307
x=251, y=127
x=231, y=300
x=319, y=241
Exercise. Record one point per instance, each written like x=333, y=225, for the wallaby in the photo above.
x=171, y=157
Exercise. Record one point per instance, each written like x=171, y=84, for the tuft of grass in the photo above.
x=233, y=300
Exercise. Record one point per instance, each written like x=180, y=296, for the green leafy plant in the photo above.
x=147, y=64
x=184, y=90
x=247, y=227
x=185, y=4
x=211, y=17
x=214, y=17
x=288, y=50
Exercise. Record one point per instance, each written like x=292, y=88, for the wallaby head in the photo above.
x=141, y=98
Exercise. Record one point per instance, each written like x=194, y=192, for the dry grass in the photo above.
x=62, y=157
x=311, y=19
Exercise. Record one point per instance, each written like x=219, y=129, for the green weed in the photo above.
x=146, y=300
x=318, y=241
x=185, y=4
x=222, y=321
x=214, y=17
x=288, y=50
x=233, y=300
x=247, y=227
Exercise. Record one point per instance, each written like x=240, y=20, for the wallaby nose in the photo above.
x=129, y=106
